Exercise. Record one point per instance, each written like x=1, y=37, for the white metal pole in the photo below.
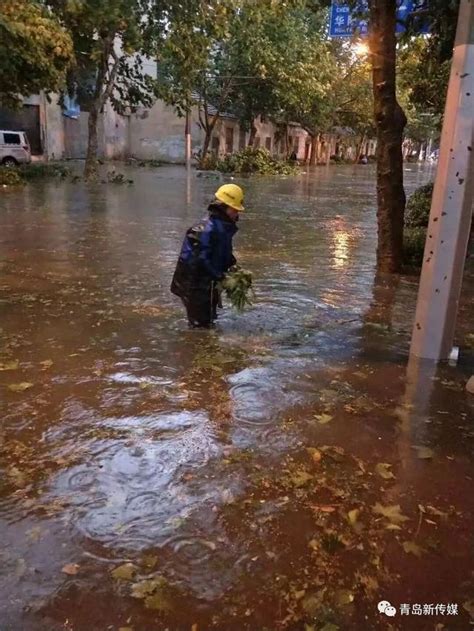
x=187, y=140
x=451, y=209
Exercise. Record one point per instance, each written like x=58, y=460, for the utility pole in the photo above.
x=187, y=137
x=451, y=208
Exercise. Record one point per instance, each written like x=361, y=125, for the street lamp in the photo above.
x=361, y=49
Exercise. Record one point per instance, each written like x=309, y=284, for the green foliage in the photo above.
x=10, y=177
x=413, y=246
x=109, y=41
x=418, y=207
x=35, y=51
x=238, y=287
x=42, y=170
x=116, y=178
x=251, y=160
x=416, y=223
x=422, y=84
x=186, y=53
x=151, y=163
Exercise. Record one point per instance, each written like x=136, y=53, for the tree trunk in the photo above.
x=253, y=133
x=91, y=166
x=390, y=121
x=359, y=148
x=205, y=146
x=314, y=150
x=207, y=138
x=104, y=86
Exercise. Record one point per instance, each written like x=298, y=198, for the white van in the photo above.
x=14, y=148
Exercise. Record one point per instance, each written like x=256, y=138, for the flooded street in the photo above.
x=285, y=471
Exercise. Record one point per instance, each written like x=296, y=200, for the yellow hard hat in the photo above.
x=232, y=195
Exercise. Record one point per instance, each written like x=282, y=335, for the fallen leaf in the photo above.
x=150, y=561
x=323, y=419
x=13, y=365
x=383, y=470
x=312, y=602
x=47, y=363
x=392, y=527
x=344, y=597
x=315, y=454
x=20, y=387
x=352, y=518
x=17, y=476
x=147, y=587
x=336, y=453
x=71, y=569
x=424, y=453
x=413, y=548
x=300, y=478
x=392, y=513
x=434, y=511
x=370, y=583
x=159, y=602
x=124, y=572
x=325, y=508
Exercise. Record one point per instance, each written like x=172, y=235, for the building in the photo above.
x=57, y=132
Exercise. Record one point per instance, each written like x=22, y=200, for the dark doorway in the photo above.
x=27, y=119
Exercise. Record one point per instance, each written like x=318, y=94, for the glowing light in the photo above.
x=361, y=49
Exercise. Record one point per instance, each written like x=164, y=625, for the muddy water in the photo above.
x=286, y=471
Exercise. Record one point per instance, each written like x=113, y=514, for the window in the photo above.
x=256, y=142
x=12, y=139
x=229, y=139
x=296, y=145
x=268, y=143
x=275, y=142
x=242, y=139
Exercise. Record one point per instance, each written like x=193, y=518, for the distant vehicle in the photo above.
x=14, y=148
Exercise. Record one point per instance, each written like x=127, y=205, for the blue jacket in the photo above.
x=206, y=254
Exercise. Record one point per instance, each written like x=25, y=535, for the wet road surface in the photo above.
x=285, y=471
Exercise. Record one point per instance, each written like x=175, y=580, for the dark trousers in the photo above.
x=201, y=305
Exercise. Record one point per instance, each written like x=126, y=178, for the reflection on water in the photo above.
x=341, y=249
x=127, y=438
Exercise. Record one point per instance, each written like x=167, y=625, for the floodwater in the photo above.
x=285, y=471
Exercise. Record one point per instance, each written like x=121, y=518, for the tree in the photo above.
x=188, y=71
x=111, y=38
x=390, y=122
x=302, y=74
x=35, y=51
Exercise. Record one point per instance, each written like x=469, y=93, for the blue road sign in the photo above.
x=343, y=22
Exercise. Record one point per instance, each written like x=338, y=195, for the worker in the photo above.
x=206, y=255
